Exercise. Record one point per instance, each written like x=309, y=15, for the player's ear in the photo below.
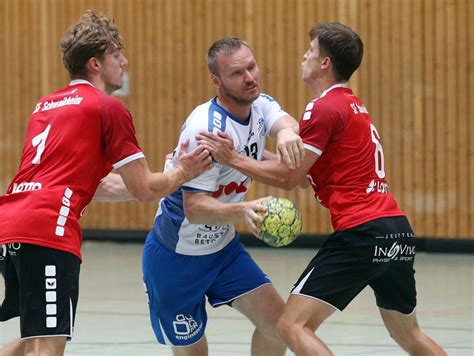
x=93, y=65
x=325, y=63
x=216, y=81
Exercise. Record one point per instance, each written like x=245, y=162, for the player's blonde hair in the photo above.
x=93, y=35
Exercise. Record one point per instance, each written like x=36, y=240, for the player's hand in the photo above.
x=251, y=216
x=193, y=163
x=290, y=148
x=221, y=146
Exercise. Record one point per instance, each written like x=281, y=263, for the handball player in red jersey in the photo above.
x=75, y=137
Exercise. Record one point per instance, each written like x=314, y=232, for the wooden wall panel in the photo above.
x=415, y=79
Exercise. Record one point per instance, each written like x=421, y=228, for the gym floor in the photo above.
x=112, y=316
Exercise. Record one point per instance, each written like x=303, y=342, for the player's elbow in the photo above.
x=191, y=214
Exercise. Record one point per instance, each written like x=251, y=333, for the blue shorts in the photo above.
x=178, y=284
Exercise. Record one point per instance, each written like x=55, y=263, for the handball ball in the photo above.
x=281, y=222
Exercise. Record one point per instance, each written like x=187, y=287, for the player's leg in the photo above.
x=13, y=348
x=198, y=349
x=51, y=346
x=176, y=285
x=300, y=320
x=405, y=331
x=335, y=276
x=395, y=288
x=243, y=285
x=262, y=307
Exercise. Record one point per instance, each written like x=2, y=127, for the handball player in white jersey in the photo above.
x=193, y=251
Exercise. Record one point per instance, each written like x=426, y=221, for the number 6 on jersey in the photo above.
x=378, y=154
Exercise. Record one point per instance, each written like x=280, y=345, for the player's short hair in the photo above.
x=340, y=43
x=94, y=35
x=226, y=45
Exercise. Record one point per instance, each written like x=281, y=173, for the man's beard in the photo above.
x=239, y=100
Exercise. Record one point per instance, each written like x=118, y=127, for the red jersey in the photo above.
x=349, y=176
x=74, y=138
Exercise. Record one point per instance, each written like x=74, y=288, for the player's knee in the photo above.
x=268, y=330
x=284, y=327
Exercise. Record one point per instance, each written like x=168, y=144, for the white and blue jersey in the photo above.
x=171, y=228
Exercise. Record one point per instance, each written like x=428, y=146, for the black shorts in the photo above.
x=379, y=253
x=42, y=287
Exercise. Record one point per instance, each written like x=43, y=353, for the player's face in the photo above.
x=239, y=76
x=311, y=65
x=112, y=68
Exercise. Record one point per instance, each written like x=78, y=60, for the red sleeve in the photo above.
x=317, y=125
x=118, y=131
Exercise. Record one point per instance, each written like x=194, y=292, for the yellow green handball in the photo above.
x=281, y=222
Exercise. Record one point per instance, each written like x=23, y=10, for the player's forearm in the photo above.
x=112, y=188
x=208, y=210
x=268, y=172
x=163, y=184
x=286, y=122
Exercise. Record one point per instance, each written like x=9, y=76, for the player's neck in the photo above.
x=97, y=82
x=241, y=111
x=319, y=86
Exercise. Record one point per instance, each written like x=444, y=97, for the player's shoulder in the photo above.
x=198, y=119
x=325, y=106
x=334, y=99
x=322, y=105
x=264, y=99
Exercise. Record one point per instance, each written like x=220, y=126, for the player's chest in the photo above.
x=249, y=140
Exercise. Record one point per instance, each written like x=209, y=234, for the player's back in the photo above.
x=63, y=159
x=63, y=140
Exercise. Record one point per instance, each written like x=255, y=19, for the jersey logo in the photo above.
x=358, y=109
x=26, y=187
x=378, y=186
x=260, y=127
x=216, y=119
x=230, y=188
